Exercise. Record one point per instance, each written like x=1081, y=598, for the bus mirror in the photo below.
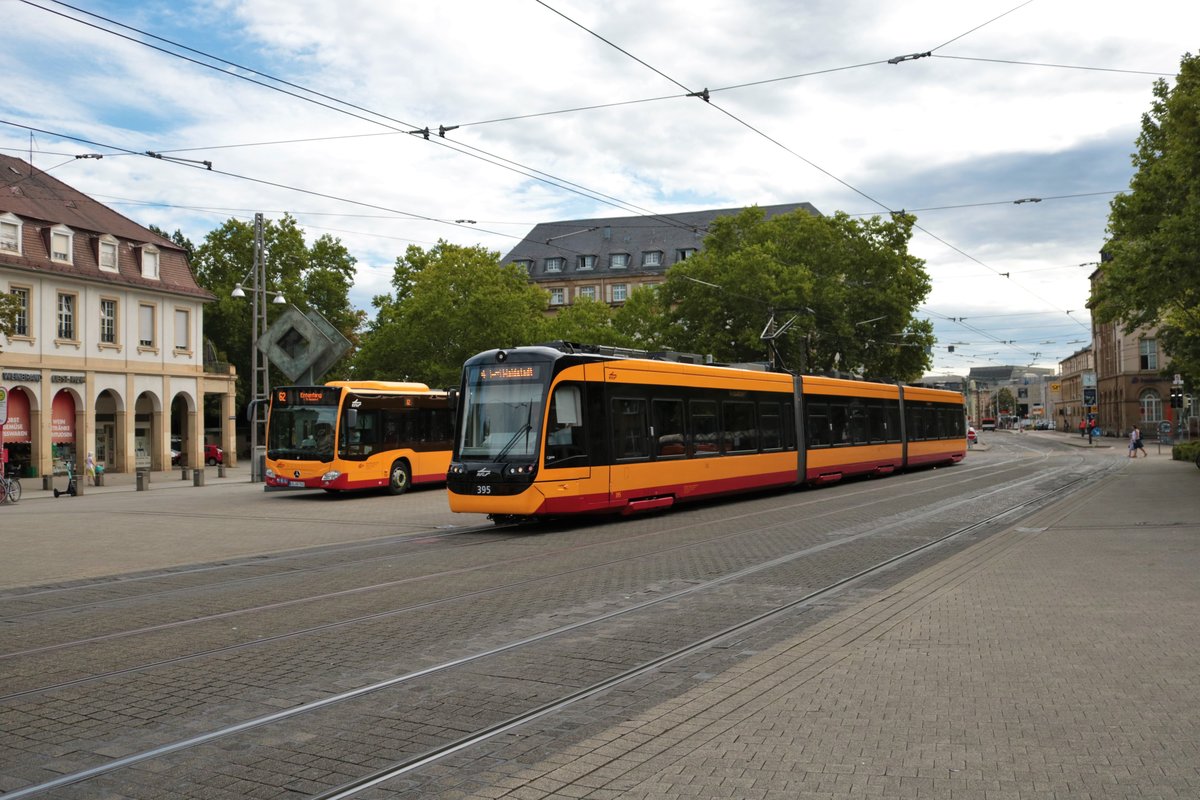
x=352, y=417
x=567, y=406
x=452, y=399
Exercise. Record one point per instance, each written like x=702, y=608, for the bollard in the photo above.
x=47, y=482
x=220, y=470
x=185, y=473
x=99, y=477
x=143, y=481
x=198, y=477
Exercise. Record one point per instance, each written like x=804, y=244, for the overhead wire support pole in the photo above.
x=259, y=367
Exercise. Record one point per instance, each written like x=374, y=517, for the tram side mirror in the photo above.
x=567, y=405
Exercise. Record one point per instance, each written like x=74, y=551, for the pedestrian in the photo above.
x=1082, y=428
x=1135, y=443
x=90, y=470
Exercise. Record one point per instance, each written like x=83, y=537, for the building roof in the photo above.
x=603, y=236
x=42, y=201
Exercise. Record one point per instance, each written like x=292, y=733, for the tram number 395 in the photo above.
x=483, y=490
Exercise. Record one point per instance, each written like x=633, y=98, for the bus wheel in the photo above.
x=400, y=478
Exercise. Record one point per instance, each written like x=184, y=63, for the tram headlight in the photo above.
x=519, y=470
x=458, y=469
x=332, y=475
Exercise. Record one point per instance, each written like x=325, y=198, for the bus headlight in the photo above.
x=332, y=475
x=515, y=470
x=268, y=473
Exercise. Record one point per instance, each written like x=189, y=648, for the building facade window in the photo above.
x=1148, y=354
x=107, y=254
x=555, y=264
x=620, y=292
x=62, y=244
x=524, y=264
x=10, y=233
x=146, y=325
x=108, y=320
x=183, y=329
x=150, y=262
x=22, y=322
x=557, y=296
x=585, y=262
x=588, y=292
x=1152, y=407
x=652, y=258
x=618, y=260
x=66, y=316
x=684, y=253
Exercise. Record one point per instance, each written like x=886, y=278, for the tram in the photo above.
x=565, y=429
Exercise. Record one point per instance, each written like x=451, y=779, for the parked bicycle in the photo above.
x=10, y=489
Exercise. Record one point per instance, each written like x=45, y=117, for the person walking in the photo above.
x=1135, y=443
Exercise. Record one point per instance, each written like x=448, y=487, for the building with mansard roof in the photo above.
x=107, y=355
x=607, y=258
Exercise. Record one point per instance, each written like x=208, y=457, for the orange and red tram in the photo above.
x=566, y=429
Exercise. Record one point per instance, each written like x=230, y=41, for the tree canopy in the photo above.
x=1150, y=274
x=851, y=286
x=449, y=303
x=310, y=277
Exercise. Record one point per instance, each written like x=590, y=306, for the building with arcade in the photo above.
x=107, y=353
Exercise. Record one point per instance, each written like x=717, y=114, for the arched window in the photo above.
x=1152, y=408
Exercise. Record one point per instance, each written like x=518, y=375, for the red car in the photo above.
x=213, y=455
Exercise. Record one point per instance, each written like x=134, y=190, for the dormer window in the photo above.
x=10, y=233
x=555, y=264
x=524, y=264
x=149, y=261
x=684, y=253
x=652, y=258
x=618, y=260
x=585, y=262
x=62, y=244
x=107, y=253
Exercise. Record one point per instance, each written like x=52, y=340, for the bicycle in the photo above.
x=10, y=489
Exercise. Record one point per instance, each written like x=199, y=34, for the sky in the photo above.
x=1005, y=127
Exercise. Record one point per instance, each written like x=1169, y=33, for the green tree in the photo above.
x=851, y=286
x=317, y=277
x=585, y=321
x=642, y=321
x=1150, y=274
x=449, y=303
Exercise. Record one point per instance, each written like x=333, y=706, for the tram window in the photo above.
x=565, y=442
x=769, y=424
x=818, y=425
x=876, y=423
x=668, y=429
x=839, y=422
x=789, y=427
x=741, y=431
x=892, y=414
x=705, y=433
x=856, y=412
x=629, y=428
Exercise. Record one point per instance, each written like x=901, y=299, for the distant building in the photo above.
x=606, y=258
x=1077, y=388
x=108, y=352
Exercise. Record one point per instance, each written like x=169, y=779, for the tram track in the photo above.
x=414, y=762
x=498, y=565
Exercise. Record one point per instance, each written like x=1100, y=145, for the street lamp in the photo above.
x=260, y=373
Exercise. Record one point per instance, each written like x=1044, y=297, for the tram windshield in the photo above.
x=502, y=412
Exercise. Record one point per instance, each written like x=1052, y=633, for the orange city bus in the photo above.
x=358, y=435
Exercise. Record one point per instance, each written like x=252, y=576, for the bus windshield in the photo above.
x=302, y=432
x=502, y=412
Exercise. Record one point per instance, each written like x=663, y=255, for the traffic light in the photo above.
x=1176, y=397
